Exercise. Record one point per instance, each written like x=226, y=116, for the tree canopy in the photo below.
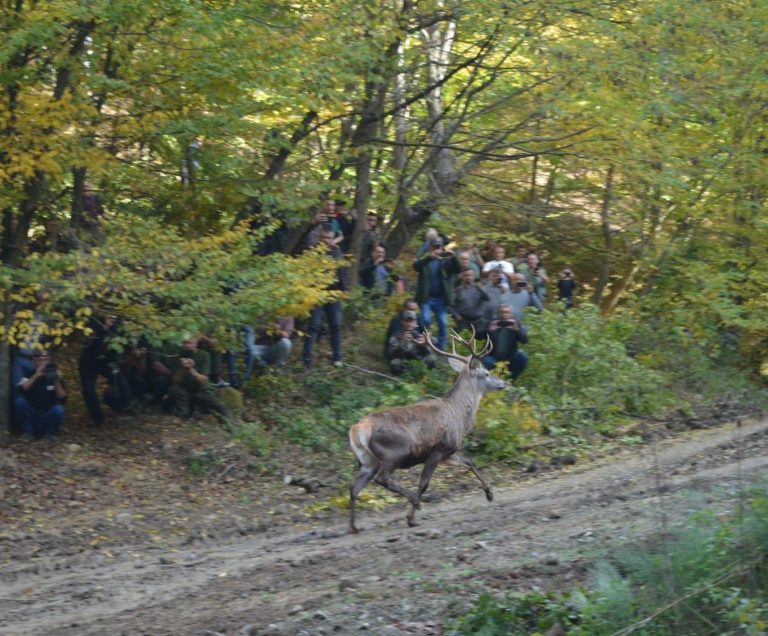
x=626, y=138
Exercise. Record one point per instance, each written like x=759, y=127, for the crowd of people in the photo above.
x=478, y=289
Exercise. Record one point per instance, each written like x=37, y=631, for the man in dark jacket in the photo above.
x=37, y=406
x=435, y=287
x=332, y=310
x=408, y=344
x=98, y=359
x=506, y=334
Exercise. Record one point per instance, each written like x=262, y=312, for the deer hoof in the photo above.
x=411, y=522
x=489, y=495
x=352, y=530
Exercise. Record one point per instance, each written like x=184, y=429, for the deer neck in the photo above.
x=465, y=401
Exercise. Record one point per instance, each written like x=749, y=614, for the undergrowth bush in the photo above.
x=580, y=372
x=709, y=578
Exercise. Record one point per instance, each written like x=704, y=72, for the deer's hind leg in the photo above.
x=384, y=478
x=458, y=459
x=362, y=479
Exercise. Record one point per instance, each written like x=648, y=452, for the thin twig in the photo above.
x=703, y=588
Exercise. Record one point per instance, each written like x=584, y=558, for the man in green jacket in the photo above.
x=190, y=387
x=434, y=291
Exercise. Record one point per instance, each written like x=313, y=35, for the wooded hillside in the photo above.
x=626, y=139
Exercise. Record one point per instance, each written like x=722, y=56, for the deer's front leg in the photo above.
x=426, y=475
x=459, y=459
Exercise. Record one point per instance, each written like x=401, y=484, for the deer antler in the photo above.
x=471, y=343
x=465, y=359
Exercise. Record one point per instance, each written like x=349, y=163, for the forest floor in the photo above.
x=118, y=533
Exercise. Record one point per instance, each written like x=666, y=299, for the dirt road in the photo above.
x=284, y=578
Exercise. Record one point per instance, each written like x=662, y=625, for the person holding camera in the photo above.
x=536, y=275
x=566, y=287
x=520, y=296
x=469, y=307
x=506, y=335
x=325, y=219
x=377, y=275
x=500, y=263
x=190, y=387
x=38, y=403
x=435, y=288
x=408, y=344
x=331, y=310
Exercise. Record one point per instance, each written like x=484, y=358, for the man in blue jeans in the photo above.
x=331, y=310
x=268, y=348
x=435, y=287
x=37, y=406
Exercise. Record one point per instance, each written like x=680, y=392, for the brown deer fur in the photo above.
x=428, y=433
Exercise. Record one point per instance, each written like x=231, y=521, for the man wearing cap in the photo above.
x=408, y=344
x=396, y=323
x=434, y=291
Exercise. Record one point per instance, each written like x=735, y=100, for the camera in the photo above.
x=50, y=368
x=443, y=254
x=521, y=283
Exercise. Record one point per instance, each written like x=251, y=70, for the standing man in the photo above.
x=520, y=297
x=435, y=291
x=331, y=310
x=566, y=287
x=98, y=359
x=499, y=262
x=469, y=308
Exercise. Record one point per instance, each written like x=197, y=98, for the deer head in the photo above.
x=470, y=366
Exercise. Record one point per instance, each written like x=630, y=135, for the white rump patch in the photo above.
x=360, y=448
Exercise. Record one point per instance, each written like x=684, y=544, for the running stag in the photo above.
x=426, y=433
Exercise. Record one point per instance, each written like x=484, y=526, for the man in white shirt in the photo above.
x=499, y=262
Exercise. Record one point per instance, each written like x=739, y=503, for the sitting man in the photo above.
x=269, y=347
x=37, y=406
x=137, y=370
x=506, y=334
x=98, y=358
x=408, y=344
x=469, y=304
x=190, y=387
x=396, y=323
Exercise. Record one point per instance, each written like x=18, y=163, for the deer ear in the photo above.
x=456, y=365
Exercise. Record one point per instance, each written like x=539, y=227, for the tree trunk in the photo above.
x=605, y=224
x=5, y=376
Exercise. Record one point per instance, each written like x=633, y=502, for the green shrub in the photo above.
x=580, y=371
x=708, y=578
